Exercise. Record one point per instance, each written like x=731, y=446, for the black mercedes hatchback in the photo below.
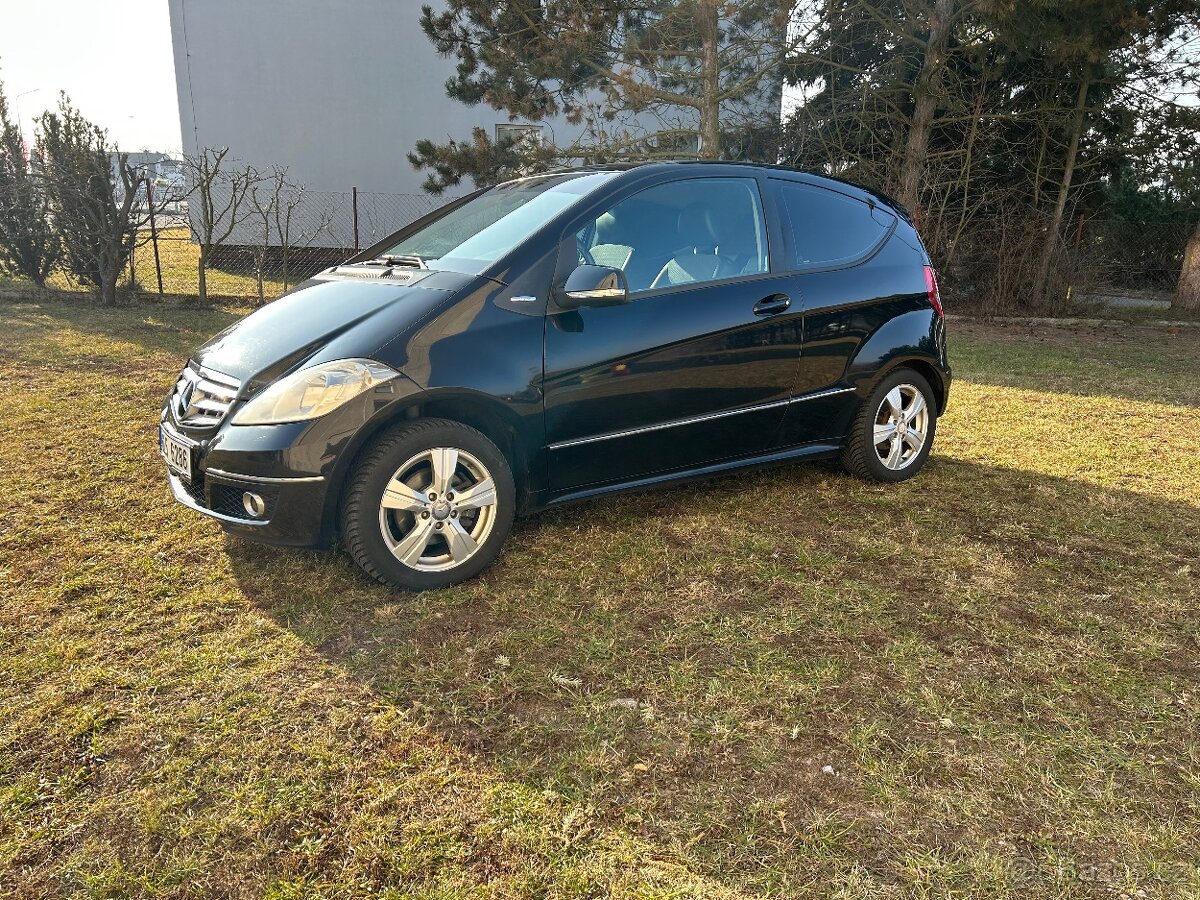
x=562, y=337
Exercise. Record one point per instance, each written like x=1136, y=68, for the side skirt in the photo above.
x=817, y=450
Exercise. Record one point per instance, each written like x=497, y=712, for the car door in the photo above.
x=698, y=366
x=835, y=247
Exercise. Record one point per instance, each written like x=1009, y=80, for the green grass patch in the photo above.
x=980, y=683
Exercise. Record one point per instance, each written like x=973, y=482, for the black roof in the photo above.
x=626, y=166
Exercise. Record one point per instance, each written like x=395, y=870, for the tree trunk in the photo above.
x=1041, y=284
x=108, y=285
x=1187, y=292
x=916, y=147
x=708, y=28
x=201, y=273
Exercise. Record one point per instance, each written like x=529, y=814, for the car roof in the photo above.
x=666, y=164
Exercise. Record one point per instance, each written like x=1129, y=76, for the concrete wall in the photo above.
x=337, y=90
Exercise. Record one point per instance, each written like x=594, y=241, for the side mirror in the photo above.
x=594, y=286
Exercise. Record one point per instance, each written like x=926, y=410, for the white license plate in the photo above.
x=177, y=453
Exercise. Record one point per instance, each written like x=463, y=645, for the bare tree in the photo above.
x=218, y=193
x=286, y=219
x=298, y=225
x=265, y=196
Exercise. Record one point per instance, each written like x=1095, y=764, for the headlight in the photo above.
x=311, y=393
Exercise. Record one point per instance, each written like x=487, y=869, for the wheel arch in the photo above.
x=923, y=366
x=487, y=416
x=911, y=340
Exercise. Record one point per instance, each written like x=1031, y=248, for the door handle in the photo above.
x=773, y=305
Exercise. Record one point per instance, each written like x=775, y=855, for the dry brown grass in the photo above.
x=998, y=660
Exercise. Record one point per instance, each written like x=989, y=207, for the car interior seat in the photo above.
x=699, y=257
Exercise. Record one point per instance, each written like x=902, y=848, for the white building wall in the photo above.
x=339, y=91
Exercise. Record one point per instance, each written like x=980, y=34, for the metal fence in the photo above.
x=1099, y=256
x=264, y=254
x=1118, y=254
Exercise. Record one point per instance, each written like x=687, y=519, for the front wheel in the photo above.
x=893, y=432
x=428, y=505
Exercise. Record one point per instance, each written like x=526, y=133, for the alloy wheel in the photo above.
x=901, y=426
x=437, y=509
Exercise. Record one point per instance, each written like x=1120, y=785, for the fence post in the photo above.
x=1079, y=231
x=154, y=236
x=354, y=207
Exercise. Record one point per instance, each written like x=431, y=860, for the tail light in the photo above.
x=931, y=288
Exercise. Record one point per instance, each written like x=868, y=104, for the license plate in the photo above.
x=176, y=452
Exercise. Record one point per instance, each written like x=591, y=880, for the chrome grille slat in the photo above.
x=202, y=397
x=220, y=378
x=213, y=390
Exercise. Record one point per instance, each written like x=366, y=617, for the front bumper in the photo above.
x=295, y=468
x=274, y=465
x=291, y=508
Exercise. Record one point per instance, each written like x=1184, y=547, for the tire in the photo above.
x=402, y=527
x=896, y=457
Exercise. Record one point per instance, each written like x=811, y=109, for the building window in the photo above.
x=527, y=135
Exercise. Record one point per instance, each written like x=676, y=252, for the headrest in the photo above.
x=696, y=227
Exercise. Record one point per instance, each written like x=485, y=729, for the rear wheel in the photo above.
x=428, y=505
x=893, y=432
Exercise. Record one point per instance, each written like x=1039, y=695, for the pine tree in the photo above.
x=93, y=201
x=641, y=78
x=28, y=245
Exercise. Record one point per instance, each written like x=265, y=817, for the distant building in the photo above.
x=166, y=173
x=338, y=92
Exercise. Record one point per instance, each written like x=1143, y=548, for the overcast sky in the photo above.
x=113, y=57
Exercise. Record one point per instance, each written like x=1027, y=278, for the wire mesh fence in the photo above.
x=1118, y=254
x=266, y=252
x=263, y=256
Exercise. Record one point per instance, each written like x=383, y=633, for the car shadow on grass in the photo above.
x=791, y=675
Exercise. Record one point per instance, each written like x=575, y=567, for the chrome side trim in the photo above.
x=817, y=395
x=263, y=479
x=692, y=420
x=597, y=294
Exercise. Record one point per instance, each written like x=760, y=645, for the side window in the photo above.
x=683, y=232
x=825, y=227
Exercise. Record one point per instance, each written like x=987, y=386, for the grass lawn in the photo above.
x=981, y=683
x=179, y=258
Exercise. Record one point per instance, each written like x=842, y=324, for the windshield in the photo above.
x=479, y=232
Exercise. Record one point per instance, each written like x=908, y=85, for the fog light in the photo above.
x=254, y=505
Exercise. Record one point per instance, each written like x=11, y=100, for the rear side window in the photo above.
x=827, y=228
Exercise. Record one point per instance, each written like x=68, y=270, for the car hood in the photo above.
x=325, y=319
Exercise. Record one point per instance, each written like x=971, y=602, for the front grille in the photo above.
x=202, y=397
x=195, y=490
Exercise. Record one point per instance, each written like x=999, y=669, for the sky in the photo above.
x=112, y=57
